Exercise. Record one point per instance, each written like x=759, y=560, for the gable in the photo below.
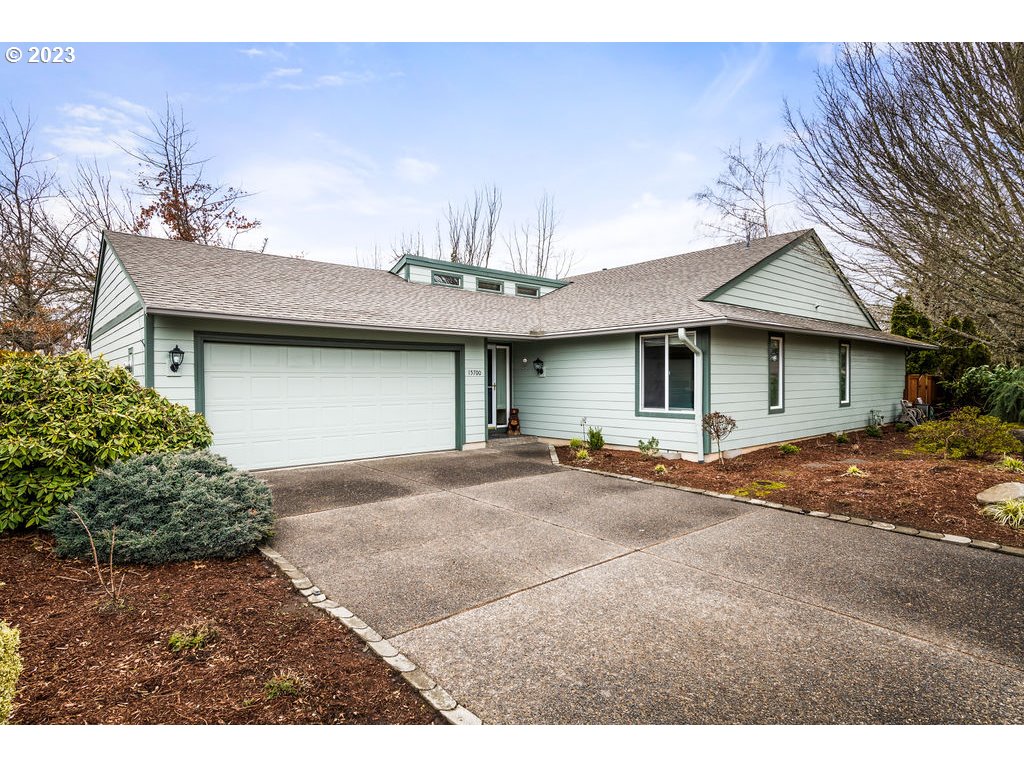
x=799, y=280
x=116, y=296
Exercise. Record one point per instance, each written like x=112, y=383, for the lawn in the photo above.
x=271, y=656
x=899, y=485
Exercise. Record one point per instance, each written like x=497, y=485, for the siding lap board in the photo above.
x=795, y=283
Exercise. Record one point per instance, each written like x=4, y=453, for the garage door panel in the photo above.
x=273, y=406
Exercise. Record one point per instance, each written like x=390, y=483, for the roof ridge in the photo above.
x=790, y=235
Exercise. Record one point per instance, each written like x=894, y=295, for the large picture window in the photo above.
x=776, y=373
x=666, y=374
x=844, y=373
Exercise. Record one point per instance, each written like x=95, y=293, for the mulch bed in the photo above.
x=902, y=486
x=87, y=665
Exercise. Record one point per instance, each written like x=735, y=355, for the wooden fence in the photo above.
x=920, y=385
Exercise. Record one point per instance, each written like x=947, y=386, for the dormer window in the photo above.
x=490, y=286
x=527, y=290
x=446, y=278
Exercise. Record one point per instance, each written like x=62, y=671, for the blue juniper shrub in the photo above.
x=167, y=507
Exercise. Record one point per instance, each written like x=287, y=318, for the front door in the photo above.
x=498, y=385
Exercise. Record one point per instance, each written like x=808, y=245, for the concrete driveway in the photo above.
x=538, y=594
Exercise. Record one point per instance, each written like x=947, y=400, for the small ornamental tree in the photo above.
x=62, y=417
x=718, y=426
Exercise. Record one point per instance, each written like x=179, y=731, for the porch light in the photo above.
x=177, y=356
x=538, y=366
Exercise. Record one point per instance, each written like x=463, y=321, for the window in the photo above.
x=776, y=374
x=490, y=286
x=844, y=373
x=527, y=290
x=445, y=278
x=666, y=374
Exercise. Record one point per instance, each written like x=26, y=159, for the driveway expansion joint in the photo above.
x=987, y=546
x=437, y=697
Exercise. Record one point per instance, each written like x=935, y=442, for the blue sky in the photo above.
x=348, y=146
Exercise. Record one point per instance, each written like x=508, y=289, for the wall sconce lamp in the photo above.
x=177, y=356
x=538, y=366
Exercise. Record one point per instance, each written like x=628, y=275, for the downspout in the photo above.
x=698, y=390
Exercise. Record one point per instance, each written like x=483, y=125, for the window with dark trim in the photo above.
x=527, y=290
x=844, y=373
x=776, y=373
x=666, y=374
x=490, y=286
x=446, y=278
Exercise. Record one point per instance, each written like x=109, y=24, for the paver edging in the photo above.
x=437, y=697
x=949, y=538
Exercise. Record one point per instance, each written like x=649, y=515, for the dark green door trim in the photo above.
x=147, y=342
x=201, y=337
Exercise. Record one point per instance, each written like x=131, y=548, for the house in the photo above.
x=298, y=362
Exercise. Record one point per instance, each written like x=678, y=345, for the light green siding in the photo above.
x=117, y=324
x=594, y=378
x=739, y=385
x=799, y=282
x=180, y=387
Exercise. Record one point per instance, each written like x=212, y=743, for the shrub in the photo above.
x=1010, y=512
x=649, y=448
x=595, y=438
x=167, y=507
x=1006, y=395
x=582, y=454
x=1011, y=464
x=966, y=433
x=718, y=426
x=788, y=449
x=194, y=637
x=10, y=668
x=873, y=430
x=842, y=438
x=901, y=426
x=61, y=417
x=855, y=471
x=576, y=443
x=660, y=469
x=282, y=684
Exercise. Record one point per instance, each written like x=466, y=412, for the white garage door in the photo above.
x=279, y=406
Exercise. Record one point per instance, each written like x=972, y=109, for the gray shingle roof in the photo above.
x=183, y=278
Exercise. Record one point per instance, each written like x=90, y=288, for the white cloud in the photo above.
x=98, y=128
x=822, y=53
x=731, y=79
x=291, y=79
x=261, y=53
x=648, y=228
x=415, y=171
x=285, y=72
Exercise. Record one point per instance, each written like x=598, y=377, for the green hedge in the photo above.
x=167, y=507
x=63, y=416
x=966, y=434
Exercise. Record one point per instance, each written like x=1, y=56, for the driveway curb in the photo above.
x=989, y=546
x=436, y=696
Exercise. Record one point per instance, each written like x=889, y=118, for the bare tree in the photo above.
x=533, y=246
x=914, y=155
x=744, y=196
x=174, y=191
x=473, y=226
x=45, y=279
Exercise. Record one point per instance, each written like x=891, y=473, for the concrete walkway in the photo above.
x=537, y=594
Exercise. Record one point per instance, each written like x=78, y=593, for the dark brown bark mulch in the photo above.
x=902, y=486
x=83, y=664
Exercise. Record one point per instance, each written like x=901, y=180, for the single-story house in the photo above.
x=295, y=361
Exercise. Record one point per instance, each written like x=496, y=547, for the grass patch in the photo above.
x=759, y=488
x=192, y=638
x=282, y=684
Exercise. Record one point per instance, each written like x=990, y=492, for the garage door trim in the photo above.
x=201, y=337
